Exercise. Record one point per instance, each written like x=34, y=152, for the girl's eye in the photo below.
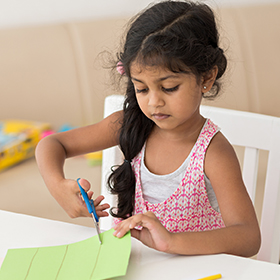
x=170, y=89
x=141, y=90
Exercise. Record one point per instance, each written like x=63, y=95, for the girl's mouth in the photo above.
x=160, y=116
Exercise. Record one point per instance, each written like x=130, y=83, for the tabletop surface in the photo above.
x=21, y=231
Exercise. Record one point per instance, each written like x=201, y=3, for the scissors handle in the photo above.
x=89, y=202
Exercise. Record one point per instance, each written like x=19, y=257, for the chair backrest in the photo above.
x=255, y=132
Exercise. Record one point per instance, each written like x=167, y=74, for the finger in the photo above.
x=137, y=220
x=100, y=210
x=102, y=207
x=98, y=200
x=102, y=214
x=116, y=226
x=90, y=194
x=85, y=184
x=122, y=228
x=120, y=233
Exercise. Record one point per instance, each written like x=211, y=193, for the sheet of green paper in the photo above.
x=86, y=259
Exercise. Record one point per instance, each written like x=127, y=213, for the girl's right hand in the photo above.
x=68, y=195
x=53, y=150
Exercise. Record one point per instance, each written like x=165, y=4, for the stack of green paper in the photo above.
x=86, y=259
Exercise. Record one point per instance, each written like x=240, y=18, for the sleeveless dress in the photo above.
x=188, y=208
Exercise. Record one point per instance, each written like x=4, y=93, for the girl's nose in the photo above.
x=156, y=99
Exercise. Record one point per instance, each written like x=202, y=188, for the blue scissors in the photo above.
x=91, y=209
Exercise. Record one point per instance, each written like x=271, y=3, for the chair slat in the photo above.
x=270, y=224
x=250, y=170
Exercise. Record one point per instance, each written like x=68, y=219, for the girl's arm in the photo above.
x=52, y=151
x=241, y=236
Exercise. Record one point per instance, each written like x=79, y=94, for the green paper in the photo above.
x=86, y=259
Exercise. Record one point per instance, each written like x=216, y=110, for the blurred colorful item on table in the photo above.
x=18, y=139
x=63, y=128
x=94, y=159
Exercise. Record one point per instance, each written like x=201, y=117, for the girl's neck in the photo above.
x=166, y=151
x=189, y=132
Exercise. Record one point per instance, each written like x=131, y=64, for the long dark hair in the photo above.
x=180, y=36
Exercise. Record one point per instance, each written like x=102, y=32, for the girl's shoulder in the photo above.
x=219, y=145
x=220, y=155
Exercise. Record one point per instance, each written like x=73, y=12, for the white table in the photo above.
x=20, y=231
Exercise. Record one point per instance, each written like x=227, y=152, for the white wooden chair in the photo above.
x=254, y=132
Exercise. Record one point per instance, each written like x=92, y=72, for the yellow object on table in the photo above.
x=212, y=277
x=94, y=159
x=18, y=139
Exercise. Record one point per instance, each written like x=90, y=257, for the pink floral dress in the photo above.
x=188, y=208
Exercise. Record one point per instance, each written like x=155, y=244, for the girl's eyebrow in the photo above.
x=159, y=80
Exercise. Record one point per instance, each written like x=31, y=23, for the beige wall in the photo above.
x=53, y=73
x=251, y=38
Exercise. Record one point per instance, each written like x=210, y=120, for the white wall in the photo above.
x=26, y=12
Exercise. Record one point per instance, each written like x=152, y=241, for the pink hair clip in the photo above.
x=120, y=68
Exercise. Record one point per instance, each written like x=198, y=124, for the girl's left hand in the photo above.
x=153, y=233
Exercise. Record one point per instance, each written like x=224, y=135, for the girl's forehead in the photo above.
x=156, y=64
x=156, y=74
x=140, y=68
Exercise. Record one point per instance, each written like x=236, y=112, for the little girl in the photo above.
x=179, y=188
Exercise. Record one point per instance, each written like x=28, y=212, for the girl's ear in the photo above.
x=208, y=79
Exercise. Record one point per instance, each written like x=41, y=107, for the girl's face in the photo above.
x=169, y=99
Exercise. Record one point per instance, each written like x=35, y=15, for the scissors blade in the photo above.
x=91, y=209
x=95, y=219
x=97, y=227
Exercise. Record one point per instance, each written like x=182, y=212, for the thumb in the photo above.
x=85, y=184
